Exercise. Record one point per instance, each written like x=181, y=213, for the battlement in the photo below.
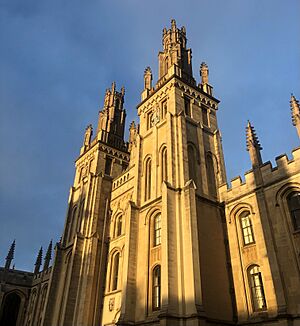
x=283, y=169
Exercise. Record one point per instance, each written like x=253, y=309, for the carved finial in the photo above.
x=10, y=255
x=148, y=78
x=132, y=134
x=164, y=31
x=88, y=135
x=253, y=145
x=113, y=87
x=173, y=24
x=48, y=256
x=183, y=30
x=204, y=72
x=295, y=108
x=38, y=261
x=123, y=90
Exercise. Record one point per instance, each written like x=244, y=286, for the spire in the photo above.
x=48, y=256
x=38, y=261
x=253, y=146
x=295, y=108
x=10, y=255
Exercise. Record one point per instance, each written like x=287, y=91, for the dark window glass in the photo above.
x=115, y=271
x=156, y=288
x=187, y=106
x=294, y=207
x=204, y=116
x=108, y=164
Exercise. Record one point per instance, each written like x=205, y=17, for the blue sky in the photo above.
x=58, y=57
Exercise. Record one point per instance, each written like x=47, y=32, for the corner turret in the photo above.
x=111, y=122
x=204, y=85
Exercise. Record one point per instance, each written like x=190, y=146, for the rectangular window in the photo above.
x=108, y=164
x=205, y=116
x=149, y=120
x=164, y=109
x=187, y=106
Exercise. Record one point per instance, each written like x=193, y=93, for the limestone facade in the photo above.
x=153, y=233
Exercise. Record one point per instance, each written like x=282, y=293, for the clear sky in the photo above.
x=58, y=57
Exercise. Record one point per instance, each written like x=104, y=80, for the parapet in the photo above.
x=284, y=168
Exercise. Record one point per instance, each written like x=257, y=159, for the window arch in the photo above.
x=246, y=226
x=157, y=230
x=10, y=309
x=118, y=225
x=114, y=277
x=164, y=165
x=156, y=288
x=148, y=179
x=293, y=201
x=256, y=288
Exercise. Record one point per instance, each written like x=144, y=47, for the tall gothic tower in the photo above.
x=80, y=265
x=144, y=238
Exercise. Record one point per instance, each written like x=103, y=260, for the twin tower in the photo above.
x=153, y=235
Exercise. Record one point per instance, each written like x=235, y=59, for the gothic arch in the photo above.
x=11, y=308
x=238, y=209
x=151, y=212
x=285, y=190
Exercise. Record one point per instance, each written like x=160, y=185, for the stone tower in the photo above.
x=167, y=263
x=80, y=265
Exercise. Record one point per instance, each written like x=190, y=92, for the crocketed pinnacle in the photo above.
x=48, y=256
x=251, y=137
x=10, y=255
x=38, y=261
x=253, y=146
x=295, y=108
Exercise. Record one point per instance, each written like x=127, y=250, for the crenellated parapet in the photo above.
x=284, y=169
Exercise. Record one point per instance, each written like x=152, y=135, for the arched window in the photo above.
x=164, y=165
x=156, y=288
x=148, y=179
x=256, y=288
x=115, y=271
x=246, y=226
x=157, y=230
x=118, y=226
x=293, y=201
x=212, y=187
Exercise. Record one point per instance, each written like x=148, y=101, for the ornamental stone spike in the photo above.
x=253, y=145
x=10, y=255
x=295, y=108
x=48, y=256
x=148, y=78
x=38, y=261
